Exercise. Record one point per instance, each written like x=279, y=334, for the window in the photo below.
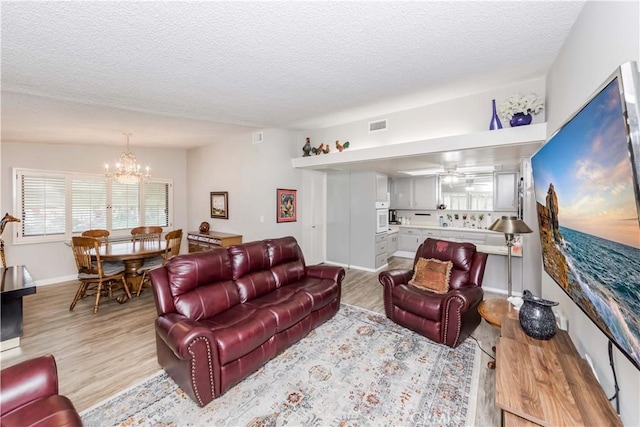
x=52, y=206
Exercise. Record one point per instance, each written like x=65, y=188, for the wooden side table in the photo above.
x=494, y=311
x=16, y=283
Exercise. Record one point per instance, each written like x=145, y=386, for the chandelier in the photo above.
x=127, y=168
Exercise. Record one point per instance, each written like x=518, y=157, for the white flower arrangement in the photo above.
x=521, y=103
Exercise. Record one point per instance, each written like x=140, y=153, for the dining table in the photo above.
x=133, y=255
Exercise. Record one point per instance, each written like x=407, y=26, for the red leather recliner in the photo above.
x=29, y=396
x=444, y=318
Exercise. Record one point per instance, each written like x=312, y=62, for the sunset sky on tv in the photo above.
x=589, y=165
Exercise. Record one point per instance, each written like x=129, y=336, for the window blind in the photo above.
x=156, y=203
x=43, y=199
x=88, y=204
x=125, y=206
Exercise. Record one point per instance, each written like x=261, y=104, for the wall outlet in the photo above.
x=261, y=219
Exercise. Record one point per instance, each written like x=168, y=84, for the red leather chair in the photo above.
x=445, y=318
x=29, y=396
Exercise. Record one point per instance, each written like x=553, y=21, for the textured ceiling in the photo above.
x=184, y=73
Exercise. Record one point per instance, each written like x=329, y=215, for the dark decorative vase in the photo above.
x=520, y=119
x=536, y=317
x=204, y=227
x=495, y=120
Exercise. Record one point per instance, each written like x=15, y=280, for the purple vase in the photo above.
x=495, y=120
x=520, y=119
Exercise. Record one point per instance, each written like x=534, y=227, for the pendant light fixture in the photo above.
x=127, y=170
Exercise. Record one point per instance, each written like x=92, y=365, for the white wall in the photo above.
x=457, y=116
x=251, y=173
x=53, y=262
x=605, y=35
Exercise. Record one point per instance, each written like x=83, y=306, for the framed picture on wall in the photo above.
x=220, y=204
x=287, y=205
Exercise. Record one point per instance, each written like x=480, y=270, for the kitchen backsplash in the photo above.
x=468, y=219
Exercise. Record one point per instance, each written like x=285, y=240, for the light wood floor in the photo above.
x=102, y=354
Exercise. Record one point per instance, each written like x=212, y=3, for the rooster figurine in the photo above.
x=317, y=150
x=306, y=149
x=326, y=150
x=341, y=147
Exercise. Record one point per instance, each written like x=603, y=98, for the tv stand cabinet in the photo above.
x=546, y=382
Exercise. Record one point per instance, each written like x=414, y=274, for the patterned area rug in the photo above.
x=357, y=369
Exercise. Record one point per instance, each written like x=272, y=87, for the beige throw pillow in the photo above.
x=432, y=274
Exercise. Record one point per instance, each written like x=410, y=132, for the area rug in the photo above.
x=357, y=369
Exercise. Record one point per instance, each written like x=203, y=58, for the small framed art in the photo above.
x=220, y=204
x=287, y=205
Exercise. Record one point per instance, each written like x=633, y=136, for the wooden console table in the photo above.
x=206, y=241
x=547, y=383
x=16, y=283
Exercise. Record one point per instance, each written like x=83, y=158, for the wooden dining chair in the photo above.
x=101, y=235
x=92, y=273
x=174, y=240
x=146, y=234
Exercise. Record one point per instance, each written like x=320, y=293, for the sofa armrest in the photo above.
x=395, y=277
x=325, y=272
x=457, y=310
x=28, y=381
x=179, y=332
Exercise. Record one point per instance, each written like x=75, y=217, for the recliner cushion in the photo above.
x=251, y=272
x=417, y=301
x=321, y=291
x=286, y=260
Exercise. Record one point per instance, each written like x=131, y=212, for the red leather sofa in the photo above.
x=29, y=396
x=224, y=313
x=444, y=318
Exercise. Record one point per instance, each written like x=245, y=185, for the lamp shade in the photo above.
x=510, y=225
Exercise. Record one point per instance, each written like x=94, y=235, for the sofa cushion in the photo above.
x=425, y=304
x=432, y=274
x=286, y=260
x=321, y=291
x=53, y=410
x=251, y=270
x=287, y=306
x=201, y=283
x=240, y=330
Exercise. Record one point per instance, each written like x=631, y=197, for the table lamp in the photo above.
x=510, y=226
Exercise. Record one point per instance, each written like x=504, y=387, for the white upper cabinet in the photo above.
x=425, y=192
x=505, y=191
x=401, y=193
x=382, y=187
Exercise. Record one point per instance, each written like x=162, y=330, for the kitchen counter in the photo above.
x=437, y=227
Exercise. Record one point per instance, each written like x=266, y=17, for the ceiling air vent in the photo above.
x=257, y=138
x=377, y=126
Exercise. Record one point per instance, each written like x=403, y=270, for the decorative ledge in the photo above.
x=535, y=133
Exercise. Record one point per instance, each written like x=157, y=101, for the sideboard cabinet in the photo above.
x=213, y=239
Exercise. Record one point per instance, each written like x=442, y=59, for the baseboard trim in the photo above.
x=56, y=280
x=357, y=267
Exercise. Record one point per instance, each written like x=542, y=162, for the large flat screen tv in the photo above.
x=587, y=195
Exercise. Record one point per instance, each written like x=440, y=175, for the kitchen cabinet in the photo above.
x=425, y=193
x=392, y=248
x=382, y=187
x=505, y=191
x=351, y=221
x=420, y=193
x=401, y=193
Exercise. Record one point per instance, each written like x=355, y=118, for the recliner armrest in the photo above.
x=470, y=296
x=178, y=332
x=395, y=277
x=28, y=381
x=326, y=272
